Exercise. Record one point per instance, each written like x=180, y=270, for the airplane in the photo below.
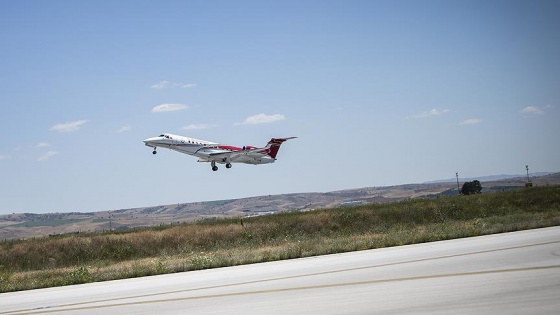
x=213, y=152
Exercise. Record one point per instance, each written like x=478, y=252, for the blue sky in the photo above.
x=378, y=92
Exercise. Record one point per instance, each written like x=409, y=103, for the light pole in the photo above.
x=458, y=190
x=527, y=168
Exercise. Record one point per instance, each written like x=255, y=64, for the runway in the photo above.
x=510, y=273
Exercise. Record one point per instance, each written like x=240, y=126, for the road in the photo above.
x=511, y=273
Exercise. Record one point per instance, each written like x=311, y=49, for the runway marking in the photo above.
x=50, y=309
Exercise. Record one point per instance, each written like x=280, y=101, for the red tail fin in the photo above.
x=274, y=145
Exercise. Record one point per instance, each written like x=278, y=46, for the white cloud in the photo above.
x=471, y=121
x=168, y=85
x=198, y=126
x=433, y=112
x=168, y=108
x=532, y=110
x=124, y=129
x=47, y=156
x=42, y=145
x=261, y=119
x=69, y=126
x=3, y=157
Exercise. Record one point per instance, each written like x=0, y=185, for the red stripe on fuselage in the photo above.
x=233, y=148
x=229, y=148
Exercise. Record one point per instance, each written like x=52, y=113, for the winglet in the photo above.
x=274, y=145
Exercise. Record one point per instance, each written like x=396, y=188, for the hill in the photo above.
x=489, y=178
x=27, y=225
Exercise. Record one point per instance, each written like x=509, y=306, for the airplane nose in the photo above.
x=149, y=141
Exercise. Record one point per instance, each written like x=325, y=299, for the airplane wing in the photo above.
x=269, y=151
x=232, y=156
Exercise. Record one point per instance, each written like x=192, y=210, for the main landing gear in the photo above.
x=154, y=152
x=215, y=167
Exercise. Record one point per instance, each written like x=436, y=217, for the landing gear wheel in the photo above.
x=228, y=165
x=214, y=168
x=154, y=152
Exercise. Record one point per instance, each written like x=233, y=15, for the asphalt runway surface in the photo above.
x=510, y=273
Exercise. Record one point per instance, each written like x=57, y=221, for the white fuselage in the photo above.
x=208, y=151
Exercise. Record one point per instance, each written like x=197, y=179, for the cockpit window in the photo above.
x=162, y=135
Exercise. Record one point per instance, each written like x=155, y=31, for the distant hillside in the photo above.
x=489, y=178
x=26, y=225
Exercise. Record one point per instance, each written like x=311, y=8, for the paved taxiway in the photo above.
x=511, y=273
